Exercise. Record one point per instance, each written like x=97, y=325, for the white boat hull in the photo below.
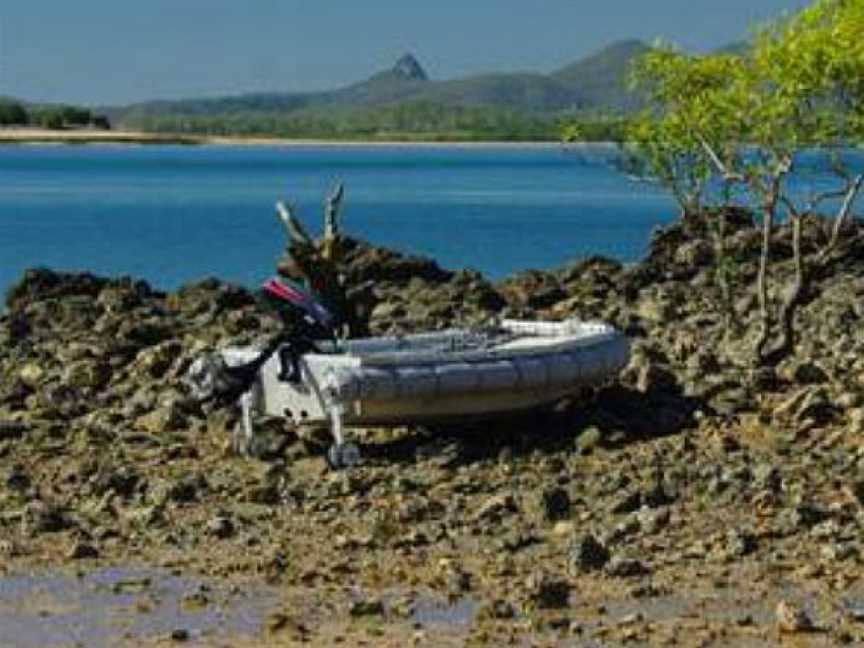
x=436, y=377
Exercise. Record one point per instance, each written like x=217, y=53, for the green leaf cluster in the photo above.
x=743, y=119
x=799, y=85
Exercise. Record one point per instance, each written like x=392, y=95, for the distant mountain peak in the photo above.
x=594, y=84
x=409, y=68
x=613, y=59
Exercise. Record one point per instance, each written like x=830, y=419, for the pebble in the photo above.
x=555, y=504
x=366, y=607
x=547, y=592
x=588, y=554
x=792, y=618
x=220, y=527
x=588, y=440
x=626, y=567
x=497, y=507
x=740, y=543
x=82, y=551
x=180, y=635
x=653, y=521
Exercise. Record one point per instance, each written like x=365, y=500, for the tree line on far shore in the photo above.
x=420, y=120
x=13, y=113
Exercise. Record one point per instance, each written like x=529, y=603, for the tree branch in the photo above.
x=331, y=211
x=728, y=175
x=295, y=229
x=842, y=216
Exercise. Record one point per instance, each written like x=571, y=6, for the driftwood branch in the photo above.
x=319, y=263
x=332, y=207
x=296, y=232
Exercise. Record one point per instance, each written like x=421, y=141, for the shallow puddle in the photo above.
x=114, y=607
x=111, y=606
x=458, y=615
x=753, y=614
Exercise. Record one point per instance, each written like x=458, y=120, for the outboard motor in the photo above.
x=305, y=321
x=289, y=301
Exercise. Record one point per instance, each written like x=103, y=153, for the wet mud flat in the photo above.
x=120, y=606
x=116, y=606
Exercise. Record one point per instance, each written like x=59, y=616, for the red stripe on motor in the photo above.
x=285, y=292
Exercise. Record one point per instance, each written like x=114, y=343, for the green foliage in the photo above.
x=101, y=122
x=12, y=113
x=674, y=157
x=65, y=116
x=51, y=118
x=672, y=135
x=572, y=133
x=406, y=121
x=74, y=116
x=800, y=84
x=589, y=128
x=814, y=63
x=743, y=118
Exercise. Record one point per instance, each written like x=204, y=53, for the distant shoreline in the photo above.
x=86, y=136
x=27, y=136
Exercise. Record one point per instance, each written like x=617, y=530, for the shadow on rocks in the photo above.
x=619, y=415
x=611, y=417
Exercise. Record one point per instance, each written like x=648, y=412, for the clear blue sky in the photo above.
x=115, y=51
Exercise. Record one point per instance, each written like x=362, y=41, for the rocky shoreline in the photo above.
x=697, y=500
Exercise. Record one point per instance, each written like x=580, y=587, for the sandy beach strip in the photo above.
x=87, y=136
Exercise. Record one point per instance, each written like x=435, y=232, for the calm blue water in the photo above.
x=173, y=214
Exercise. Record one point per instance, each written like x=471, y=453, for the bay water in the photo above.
x=172, y=214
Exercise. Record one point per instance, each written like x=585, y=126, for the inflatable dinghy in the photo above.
x=413, y=379
x=431, y=377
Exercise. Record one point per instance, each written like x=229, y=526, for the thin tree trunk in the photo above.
x=842, y=217
x=791, y=302
x=722, y=275
x=769, y=208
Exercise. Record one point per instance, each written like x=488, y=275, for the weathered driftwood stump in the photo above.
x=318, y=264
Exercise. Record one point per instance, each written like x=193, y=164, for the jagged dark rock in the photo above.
x=587, y=554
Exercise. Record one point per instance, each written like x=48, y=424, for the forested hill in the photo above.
x=596, y=83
